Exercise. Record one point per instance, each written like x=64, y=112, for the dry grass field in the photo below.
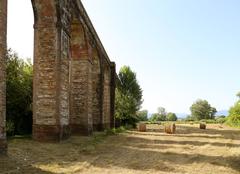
x=190, y=150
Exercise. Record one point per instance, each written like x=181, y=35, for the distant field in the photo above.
x=190, y=150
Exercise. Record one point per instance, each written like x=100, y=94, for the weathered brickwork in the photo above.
x=81, y=78
x=81, y=96
x=51, y=71
x=106, y=97
x=112, y=97
x=74, y=80
x=3, y=45
x=97, y=91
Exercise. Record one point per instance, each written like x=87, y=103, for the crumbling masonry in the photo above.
x=74, y=80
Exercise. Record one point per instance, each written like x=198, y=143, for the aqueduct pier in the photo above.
x=74, y=79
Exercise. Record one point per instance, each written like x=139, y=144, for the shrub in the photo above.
x=221, y=120
x=18, y=95
x=10, y=128
x=209, y=121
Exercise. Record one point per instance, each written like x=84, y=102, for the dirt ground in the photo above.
x=190, y=150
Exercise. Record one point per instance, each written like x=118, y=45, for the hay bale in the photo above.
x=170, y=128
x=202, y=126
x=142, y=127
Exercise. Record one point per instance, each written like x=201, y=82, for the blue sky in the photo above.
x=180, y=50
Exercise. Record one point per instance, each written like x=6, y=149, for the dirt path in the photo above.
x=191, y=150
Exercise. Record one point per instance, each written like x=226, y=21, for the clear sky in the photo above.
x=180, y=50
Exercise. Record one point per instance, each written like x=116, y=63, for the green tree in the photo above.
x=157, y=117
x=142, y=115
x=201, y=109
x=162, y=114
x=189, y=118
x=154, y=117
x=171, y=117
x=18, y=94
x=238, y=95
x=128, y=96
x=162, y=111
x=234, y=113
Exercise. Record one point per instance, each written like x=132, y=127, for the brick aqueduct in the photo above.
x=74, y=80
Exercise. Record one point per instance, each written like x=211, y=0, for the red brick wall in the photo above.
x=3, y=46
x=81, y=81
x=51, y=71
x=72, y=88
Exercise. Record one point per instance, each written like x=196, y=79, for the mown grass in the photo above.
x=190, y=150
x=223, y=121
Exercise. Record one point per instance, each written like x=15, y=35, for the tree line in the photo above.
x=129, y=100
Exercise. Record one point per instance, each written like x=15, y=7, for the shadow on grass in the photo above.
x=142, y=154
x=172, y=142
x=10, y=166
x=142, y=159
x=135, y=154
x=123, y=151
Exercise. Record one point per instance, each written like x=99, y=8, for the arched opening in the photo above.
x=19, y=68
x=80, y=80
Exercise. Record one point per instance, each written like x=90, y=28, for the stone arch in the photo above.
x=81, y=79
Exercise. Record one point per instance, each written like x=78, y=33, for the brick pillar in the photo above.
x=3, y=48
x=97, y=91
x=81, y=82
x=112, y=94
x=51, y=73
x=107, y=96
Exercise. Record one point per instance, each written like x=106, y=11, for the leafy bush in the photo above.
x=115, y=131
x=18, y=95
x=234, y=114
x=221, y=120
x=10, y=128
x=171, y=117
x=209, y=121
x=142, y=115
x=109, y=131
x=157, y=117
x=120, y=129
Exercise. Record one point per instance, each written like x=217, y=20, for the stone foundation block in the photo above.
x=81, y=129
x=51, y=133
